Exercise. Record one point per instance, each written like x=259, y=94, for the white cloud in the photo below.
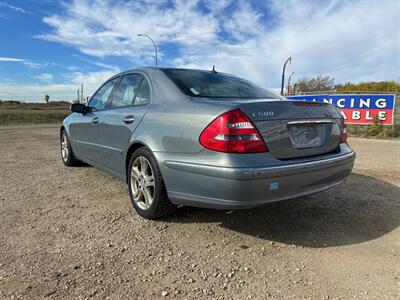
x=98, y=63
x=101, y=28
x=23, y=61
x=244, y=23
x=338, y=38
x=11, y=59
x=91, y=80
x=45, y=77
x=15, y=8
x=35, y=93
x=57, y=91
x=217, y=7
x=342, y=40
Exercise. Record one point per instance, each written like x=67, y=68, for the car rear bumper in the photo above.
x=234, y=188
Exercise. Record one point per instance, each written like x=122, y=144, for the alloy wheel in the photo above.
x=142, y=182
x=64, y=147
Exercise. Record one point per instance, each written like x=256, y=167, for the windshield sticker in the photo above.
x=193, y=90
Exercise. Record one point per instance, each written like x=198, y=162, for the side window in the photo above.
x=127, y=89
x=143, y=95
x=99, y=100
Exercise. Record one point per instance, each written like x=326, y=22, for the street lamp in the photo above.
x=288, y=83
x=283, y=72
x=154, y=44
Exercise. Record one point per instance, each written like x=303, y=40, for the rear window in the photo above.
x=198, y=83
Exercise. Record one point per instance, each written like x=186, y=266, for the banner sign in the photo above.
x=358, y=108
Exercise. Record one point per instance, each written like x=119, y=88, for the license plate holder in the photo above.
x=307, y=135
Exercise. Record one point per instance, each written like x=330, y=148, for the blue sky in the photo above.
x=49, y=46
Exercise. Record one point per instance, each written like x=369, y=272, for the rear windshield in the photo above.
x=198, y=83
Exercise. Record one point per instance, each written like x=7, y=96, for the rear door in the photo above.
x=129, y=103
x=84, y=130
x=293, y=129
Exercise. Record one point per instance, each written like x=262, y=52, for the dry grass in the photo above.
x=33, y=113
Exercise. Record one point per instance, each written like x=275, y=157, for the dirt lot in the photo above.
x=71, y=233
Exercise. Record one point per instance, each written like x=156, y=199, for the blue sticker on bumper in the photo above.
x=274, y=186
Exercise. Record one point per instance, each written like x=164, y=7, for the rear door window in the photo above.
x=143, y=95
x=126, y=91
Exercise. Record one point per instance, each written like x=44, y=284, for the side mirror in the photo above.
x=79, y=108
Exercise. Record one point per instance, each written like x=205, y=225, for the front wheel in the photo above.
x=146, y=186
x=67, y=155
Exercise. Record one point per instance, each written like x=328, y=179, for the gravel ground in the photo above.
x=71, y=233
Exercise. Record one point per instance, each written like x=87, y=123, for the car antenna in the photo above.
x=213, y=70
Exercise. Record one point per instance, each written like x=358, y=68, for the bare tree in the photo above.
x=315, y=84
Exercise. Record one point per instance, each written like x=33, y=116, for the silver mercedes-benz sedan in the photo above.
x=206, y=139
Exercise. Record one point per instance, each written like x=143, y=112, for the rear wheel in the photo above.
x=146, y=186
x=67, y=155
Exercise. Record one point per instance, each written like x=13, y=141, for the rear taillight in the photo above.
x=232, y=132
x=343, y=134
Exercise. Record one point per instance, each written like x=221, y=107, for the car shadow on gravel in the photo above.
x=362, y=209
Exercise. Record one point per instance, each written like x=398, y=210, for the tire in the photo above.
x=146, y=186
x=67, y=156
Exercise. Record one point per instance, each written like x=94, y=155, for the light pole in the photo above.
x=283, y=72
x=154, y=44
x=288, y=82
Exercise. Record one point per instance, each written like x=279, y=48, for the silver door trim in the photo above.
x=99, y=146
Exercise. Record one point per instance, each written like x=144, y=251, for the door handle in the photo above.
x=95, y=120
x=129, y=119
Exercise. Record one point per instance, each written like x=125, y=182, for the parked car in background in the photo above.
x=206, y=139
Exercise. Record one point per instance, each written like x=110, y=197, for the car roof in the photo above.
x=147, y=68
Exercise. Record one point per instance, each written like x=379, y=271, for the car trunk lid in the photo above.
x=293, y=129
